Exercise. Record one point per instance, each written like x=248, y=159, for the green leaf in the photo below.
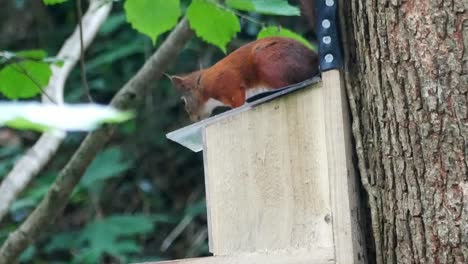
x=271, y=7
x=24, y=79
x=99, y=232
x=35, y=116
x=107, y=164
x=61, y=241
x=111, y=235
x=53, y=2
x=28, y=254
x=8, y=155
x=126, y=247
x=5, y=166
x=244, y=5
x=88, y=256
x=22, y=204
x=212, y=23
x=33, y=195
x=152, y=17
x=32, y=54
x=275, y=31
x=114, y=22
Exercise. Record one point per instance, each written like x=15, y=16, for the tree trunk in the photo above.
x=407, y=82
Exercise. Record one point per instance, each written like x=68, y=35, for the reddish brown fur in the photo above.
x=272, y=62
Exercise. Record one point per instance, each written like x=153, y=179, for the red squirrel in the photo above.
x=256, y=67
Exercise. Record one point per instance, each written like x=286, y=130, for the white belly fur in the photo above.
x=211, y=104
x=256, y=90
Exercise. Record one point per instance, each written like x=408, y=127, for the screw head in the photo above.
x=326, y=23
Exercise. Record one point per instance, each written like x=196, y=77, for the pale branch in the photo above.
x=59, y=193
x=39, y=154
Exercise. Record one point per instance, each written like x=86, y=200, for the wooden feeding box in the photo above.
x=280, y=185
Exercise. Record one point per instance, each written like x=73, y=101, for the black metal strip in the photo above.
x=327, y=29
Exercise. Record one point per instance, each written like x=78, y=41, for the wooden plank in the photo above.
x=349, y=244
x=318, y=256
x=266, y=177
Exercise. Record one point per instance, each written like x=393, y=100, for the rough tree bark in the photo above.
x=407, y=82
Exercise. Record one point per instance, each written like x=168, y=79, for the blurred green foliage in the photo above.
x=143, y=196
x=56, y=118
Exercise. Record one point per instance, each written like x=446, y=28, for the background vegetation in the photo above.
x=143, y=196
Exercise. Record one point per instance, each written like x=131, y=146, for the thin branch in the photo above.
x=199, y=239
x=36, y=158
x=84, y=80
x=57, y=197
x=246, y=17
x=7, y=59
x=249, y=18
x=175, y=233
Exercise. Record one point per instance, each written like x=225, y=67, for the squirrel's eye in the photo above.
x=183, y=100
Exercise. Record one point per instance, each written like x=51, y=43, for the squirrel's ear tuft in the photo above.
x=177, y=81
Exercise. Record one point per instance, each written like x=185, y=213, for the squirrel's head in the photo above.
x=189, y=87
